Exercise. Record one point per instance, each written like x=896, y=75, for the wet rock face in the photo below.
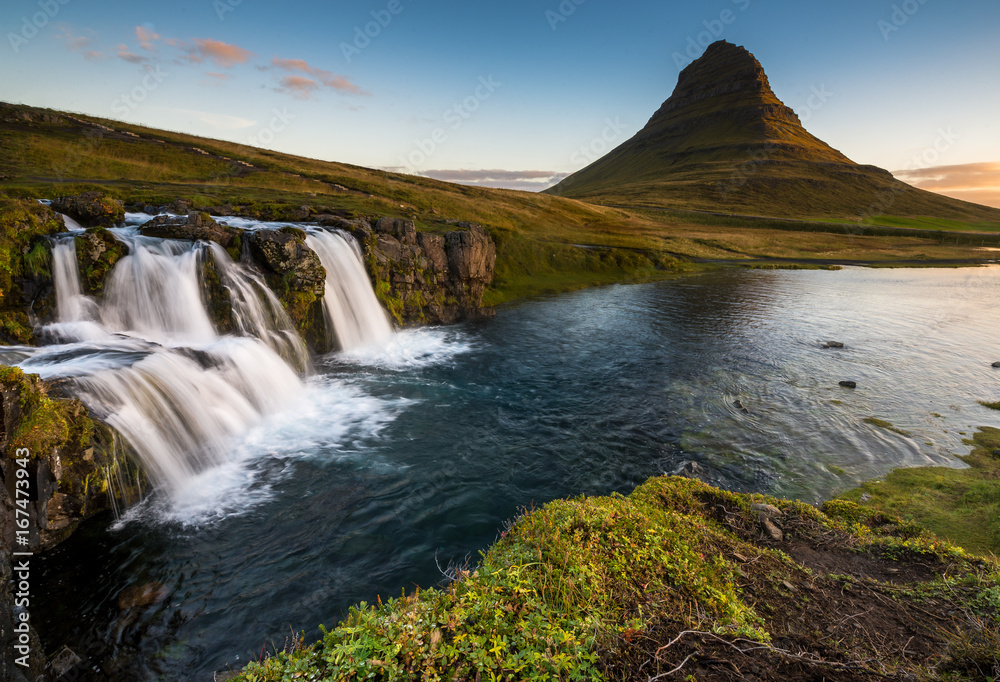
x=284, y=253
x=68, y=456
x=296, y=275
x=196, y=227
x=91, y=209
x=97, y=252
x=422, y=277
x=472, y=255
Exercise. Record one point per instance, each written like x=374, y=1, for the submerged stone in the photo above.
x=849, y=384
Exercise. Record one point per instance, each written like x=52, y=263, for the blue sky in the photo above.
x=517, y=92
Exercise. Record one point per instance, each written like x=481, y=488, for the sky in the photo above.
x=515, y=93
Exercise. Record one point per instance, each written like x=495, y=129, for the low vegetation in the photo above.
x=678, y=577
x=961, y=505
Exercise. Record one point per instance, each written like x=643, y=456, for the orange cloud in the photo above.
x=73, y=40
x=327, y=78
x=146, y=36
x=223, y=54
x=129, y=56
x=300, y=87
x=976, y=182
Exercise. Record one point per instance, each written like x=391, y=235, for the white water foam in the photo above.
x=71, y=304
x=410, y=349
x=331, y=420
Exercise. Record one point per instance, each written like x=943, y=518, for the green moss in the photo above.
x=42, y=426
x=296, y=232
x=992, y=406
x=23, y=224
x=38, y=259
x=883, y=424
x=568, y=588
x=15, y=327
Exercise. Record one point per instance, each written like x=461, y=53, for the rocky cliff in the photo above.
x=75, y=468
x=419, y=277
x=423, y=277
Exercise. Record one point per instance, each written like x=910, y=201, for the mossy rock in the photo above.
x=91, y=209
x=678, y=575
x=24, y=253
x=97, y=253
x=15, y=328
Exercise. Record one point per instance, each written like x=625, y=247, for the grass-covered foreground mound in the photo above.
x=681, y=579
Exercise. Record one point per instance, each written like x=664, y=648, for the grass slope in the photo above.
x=682, y=577
x=545, y=243
x=961, y=505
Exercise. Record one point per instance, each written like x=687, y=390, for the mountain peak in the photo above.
x=728, y=84
x=724, y=141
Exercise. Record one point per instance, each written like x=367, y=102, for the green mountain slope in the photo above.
x=724, y=142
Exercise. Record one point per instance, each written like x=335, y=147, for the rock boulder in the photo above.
x=91, y=209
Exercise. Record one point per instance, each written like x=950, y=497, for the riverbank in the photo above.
x=681, y=578
x=960, y=505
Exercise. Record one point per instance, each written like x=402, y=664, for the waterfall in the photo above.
x=178, y=413
x=155, y=293
x=71, y=304
x=156, y=369
x=353, y=312
x=257, y=311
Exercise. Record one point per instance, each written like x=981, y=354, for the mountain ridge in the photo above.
x=723, y=141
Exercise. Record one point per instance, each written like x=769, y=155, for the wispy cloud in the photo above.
x=123, y=52
x=976, y=182
x=216, y=77
x=299, y=87
x=303, y=87
x=146, y=35
x=225, y=55
x=213, y=120
x=528, y=180
x=74, y=40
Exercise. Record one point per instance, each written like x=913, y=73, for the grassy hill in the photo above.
x=724, y=142
x=546, y=243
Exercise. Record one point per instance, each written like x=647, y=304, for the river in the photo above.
x=392, y=462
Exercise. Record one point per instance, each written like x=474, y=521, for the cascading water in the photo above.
x=151, y=363
x=71, y=304
x=352, y=309
x=155, y=293
x=257, y=312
